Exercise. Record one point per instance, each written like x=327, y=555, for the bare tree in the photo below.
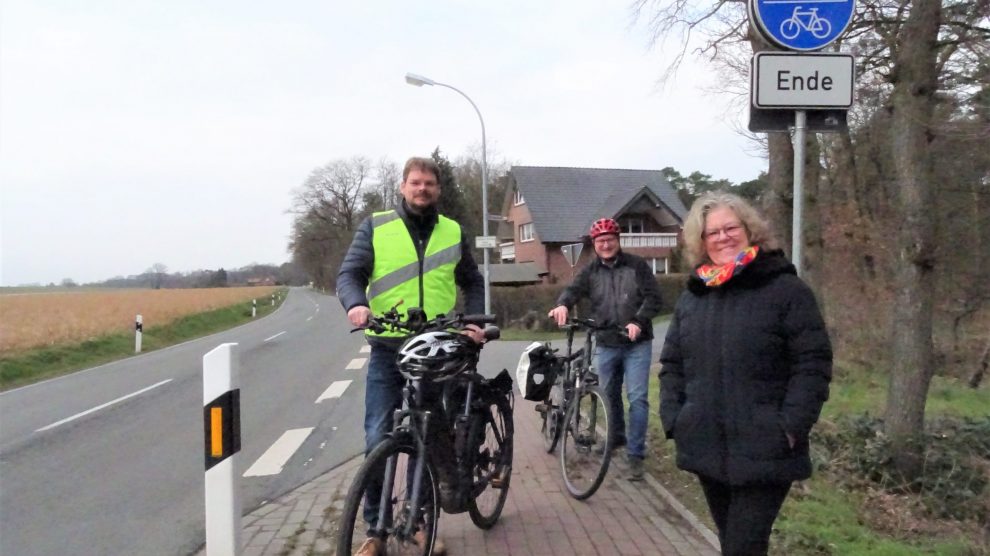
x=912, y=105
x=383, y=194
x=327, y=210
x=157, y=273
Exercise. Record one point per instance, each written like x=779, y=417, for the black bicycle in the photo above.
x=450, y=445
x=577, y=414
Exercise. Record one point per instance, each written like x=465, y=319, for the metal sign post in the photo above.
x=786, y=81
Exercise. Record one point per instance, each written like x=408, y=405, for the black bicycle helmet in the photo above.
x=436, y=356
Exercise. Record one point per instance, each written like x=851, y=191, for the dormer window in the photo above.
x=518, y=198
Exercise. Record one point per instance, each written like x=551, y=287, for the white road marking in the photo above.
x=274, y=458
x=365, y=349
x=275, y=336
x=309, y=319
x=356, y=363
x=99, y=407
x=334, y=391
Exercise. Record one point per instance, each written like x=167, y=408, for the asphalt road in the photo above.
x=109, y=460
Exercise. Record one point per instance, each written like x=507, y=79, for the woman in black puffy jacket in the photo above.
x=745, y=370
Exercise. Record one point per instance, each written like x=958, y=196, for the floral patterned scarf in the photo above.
x=716, y=275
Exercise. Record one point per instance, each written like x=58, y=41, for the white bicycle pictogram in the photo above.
x=807, y=20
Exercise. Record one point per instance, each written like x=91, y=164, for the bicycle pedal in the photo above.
x=499, y=481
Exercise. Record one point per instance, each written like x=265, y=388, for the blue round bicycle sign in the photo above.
x=801, y=24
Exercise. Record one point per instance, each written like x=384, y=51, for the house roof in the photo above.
x=565, y=201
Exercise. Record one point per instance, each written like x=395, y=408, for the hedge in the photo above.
x=527, y=306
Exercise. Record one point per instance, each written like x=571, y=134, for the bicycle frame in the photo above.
x=414, y=421
x=573, y=380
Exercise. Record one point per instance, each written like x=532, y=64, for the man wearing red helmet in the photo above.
x=623, y=292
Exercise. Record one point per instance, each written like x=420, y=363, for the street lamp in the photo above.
x=419, y=81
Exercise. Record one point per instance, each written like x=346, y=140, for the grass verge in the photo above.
x=29, y=366
x=822, y=517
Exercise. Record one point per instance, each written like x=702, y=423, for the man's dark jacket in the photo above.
x=744, y=364
x=623, y=293
x=356, y=268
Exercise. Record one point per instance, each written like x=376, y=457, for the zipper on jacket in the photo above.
x=421, y=253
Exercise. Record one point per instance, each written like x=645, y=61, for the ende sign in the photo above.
x=784, y=80
x=801, y=24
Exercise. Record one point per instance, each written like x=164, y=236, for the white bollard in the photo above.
x=221, y=414
x=138, y=330
x=254, y=308
x=273, y=300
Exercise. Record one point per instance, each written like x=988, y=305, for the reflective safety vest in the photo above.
x=400, y=274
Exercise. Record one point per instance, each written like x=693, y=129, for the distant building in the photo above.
x=549, y=207
x=266, y=281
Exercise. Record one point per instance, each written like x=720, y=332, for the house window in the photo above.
x=526, y=232
x=631, y=225
x=518, y=199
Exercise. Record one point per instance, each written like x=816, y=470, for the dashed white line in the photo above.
x=274, y=458
x=275, y=336
x=334, y=391
x=309, y=319
x=356, y=363
x=99, y=407
x=365, y=349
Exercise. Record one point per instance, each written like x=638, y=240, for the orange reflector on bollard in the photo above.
x=222, y=427
x=216, y=431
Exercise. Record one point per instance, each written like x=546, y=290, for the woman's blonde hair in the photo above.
x=757, y=228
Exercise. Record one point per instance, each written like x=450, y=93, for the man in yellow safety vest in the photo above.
x=411, y=254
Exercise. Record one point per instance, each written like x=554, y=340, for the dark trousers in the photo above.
x=744, y=515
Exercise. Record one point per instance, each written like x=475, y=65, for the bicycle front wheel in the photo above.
x=586, y=446
x=492, y=468
x=390, y=467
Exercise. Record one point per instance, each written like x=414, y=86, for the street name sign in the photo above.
x=801, y=24
x=485, y=242
x=802, y=81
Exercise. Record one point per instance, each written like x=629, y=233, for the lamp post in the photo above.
x=419, y=81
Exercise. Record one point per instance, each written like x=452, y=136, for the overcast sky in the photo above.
x=136, y=132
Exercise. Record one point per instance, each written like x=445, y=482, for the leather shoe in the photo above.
x=371, y=547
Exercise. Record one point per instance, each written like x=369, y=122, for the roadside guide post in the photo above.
x=138, y=331
x=222, y=424
x=792, y=82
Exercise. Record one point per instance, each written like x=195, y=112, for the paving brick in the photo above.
x=539, y=516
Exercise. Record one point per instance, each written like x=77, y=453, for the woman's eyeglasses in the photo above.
x=732, y=230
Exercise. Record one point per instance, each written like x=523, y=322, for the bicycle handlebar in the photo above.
x=417, y=322
x=585, y=324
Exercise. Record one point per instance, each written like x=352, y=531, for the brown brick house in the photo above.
x=547, y=208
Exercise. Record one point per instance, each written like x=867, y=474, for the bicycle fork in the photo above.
x=385, y=505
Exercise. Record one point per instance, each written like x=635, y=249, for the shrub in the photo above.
x=954, y=480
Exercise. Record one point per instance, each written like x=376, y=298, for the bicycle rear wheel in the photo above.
x=586, y=445
x=354, y=526
x=492, y=468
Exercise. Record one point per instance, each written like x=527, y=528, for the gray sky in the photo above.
x=136, y=132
